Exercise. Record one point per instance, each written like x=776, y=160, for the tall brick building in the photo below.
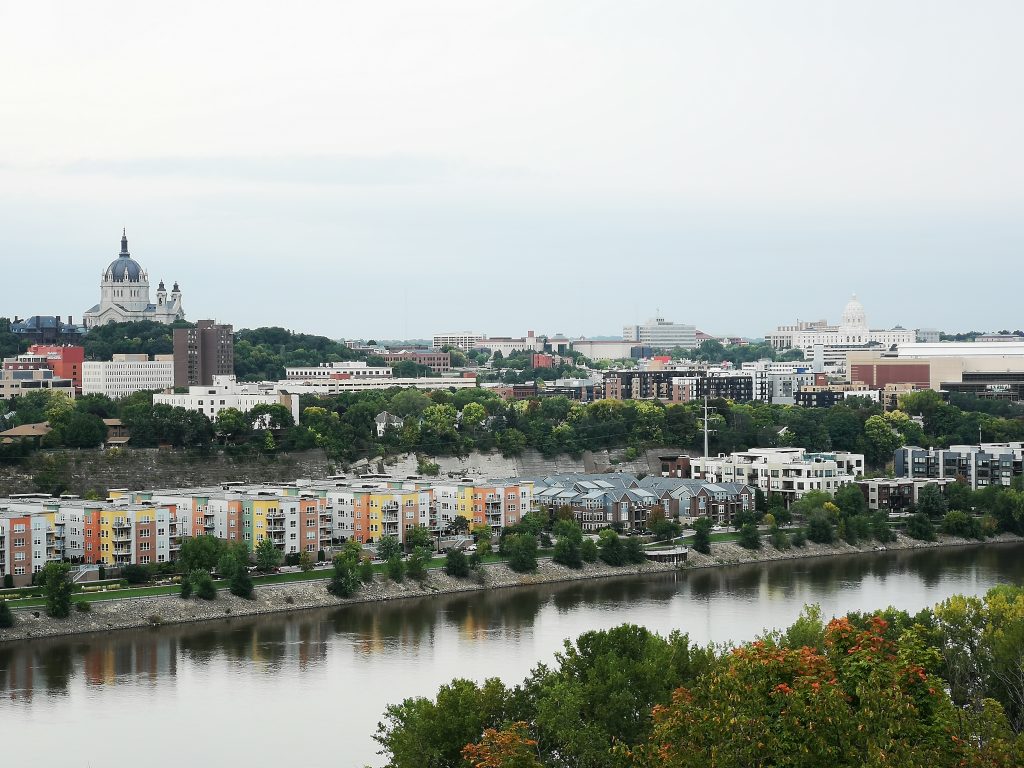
x=203, y=352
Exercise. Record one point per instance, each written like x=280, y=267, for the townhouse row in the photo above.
x=147, y=527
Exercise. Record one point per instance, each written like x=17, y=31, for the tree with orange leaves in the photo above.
x=510, y=747
x=865, y=701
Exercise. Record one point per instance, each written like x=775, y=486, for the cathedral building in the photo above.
x=124, y=295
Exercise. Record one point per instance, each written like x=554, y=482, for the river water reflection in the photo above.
x=311, y=686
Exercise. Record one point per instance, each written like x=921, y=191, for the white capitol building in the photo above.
x=852, y=331
x=124, y=295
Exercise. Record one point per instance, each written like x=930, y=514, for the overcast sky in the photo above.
x=395, y=169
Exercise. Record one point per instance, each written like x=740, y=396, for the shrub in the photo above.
x=475, y=561
x=957, y=523
x=455, y=564
x=800, y=539
x=819, y=529
x=749, y=537
x=83, y=606
x=8, y=581
x=186, y=588
x=366, y=571
x=568, y=552
x=135, y=574
x=880, y=528
x=779, y=538
x=6, y=617
x=202, y=585
x=305, y=562
x=588, y=551
x=920, y=527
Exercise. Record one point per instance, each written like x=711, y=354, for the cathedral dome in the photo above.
x=124, y=268
x=853, y=314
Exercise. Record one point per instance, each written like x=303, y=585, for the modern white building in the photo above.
x=852, y=332
x=661, y=334
x=464, y=340
x=126, y=374
x=124, y=295
x=778, y=382
x=227, y=392
x=346, y=370
x=790, y=472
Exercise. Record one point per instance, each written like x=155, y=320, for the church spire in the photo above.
x=124, y=243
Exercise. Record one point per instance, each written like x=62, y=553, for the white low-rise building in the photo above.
x=346, y=370
x=790, y=472
x=127, y=374
x=227, y=392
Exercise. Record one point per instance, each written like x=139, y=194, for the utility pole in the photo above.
x=708, y=412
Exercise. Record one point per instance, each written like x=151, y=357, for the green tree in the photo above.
x=268, y=556
x=388, y=547
x=306, y=562
x=199, y=553
x=365, y=570
x=344, y=579
x=610, y=548
x=633, y=551
x=455, y=564
x=416, y=568
x=483, y=538
x=395, y=568
x=601, y=690
x=234, y=567
x=522, y=553
x=588, y=551
x=421, y=733
x=800, y=539
x=880, y=441
x=931, y=502
x=568, y=547
x=880, y=529
x=850, y=500
x=232, y=424
x=702, y=536
x=57, y=589
x=417, y=537
x=749, y=537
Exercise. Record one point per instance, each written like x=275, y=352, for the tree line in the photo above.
x=933, y=689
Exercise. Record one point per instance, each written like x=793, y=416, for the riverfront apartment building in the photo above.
x=790, y=472
x=147, y=526
x=126, y=374
x=976, y=465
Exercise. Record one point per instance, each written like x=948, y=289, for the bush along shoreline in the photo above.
x=350, y=582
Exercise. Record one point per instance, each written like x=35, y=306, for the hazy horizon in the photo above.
x=402, y=169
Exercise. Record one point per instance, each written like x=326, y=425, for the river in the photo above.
x=310, y=687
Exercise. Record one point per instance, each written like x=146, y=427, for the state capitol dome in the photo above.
x=124, y=268
x=853, y=314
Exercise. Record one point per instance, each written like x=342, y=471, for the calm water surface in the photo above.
x=311, y=687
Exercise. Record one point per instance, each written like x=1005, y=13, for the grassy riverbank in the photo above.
x=297, y=591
